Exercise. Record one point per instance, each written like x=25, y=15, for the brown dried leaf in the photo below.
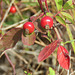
x=10, y=38
x=29, y=39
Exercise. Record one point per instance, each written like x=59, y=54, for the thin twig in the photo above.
x=40, y=43
x=19, y=56
x=18, y=11
x=38, y=67
x=57, y=33
x=5, y=16
x=20, y=23
x=13, y=66
x=16, y=24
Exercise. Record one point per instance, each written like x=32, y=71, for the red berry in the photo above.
x=46, y=20
x=13, y=9
x=29, y=26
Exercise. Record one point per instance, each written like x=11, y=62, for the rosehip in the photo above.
x=29, y=26
x=46, y=20
x=13, y=9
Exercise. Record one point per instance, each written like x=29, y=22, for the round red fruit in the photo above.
x=13, y=9
x=46, y=20
x=29, y=26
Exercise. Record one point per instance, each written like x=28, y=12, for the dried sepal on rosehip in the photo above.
x=13, y=9
x=46, y=22
x=28, y=27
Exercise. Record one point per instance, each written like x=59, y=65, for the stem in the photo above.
x=56, y=14
x=38, y=17
x=40, y=3
x=10, y=63
x=46, y=5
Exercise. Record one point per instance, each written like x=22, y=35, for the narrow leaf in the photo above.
x=48, y=50
x=60, y=20
x=10, y=38
x=63, y=58
x=70, y=36
x=68, y=5
x=29, y=39
x=68, y=16
x=59, y=4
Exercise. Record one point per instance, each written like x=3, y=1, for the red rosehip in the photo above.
x=46, y=20
x=13, y=9
x=29, y=26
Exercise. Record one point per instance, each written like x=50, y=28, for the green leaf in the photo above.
x=70, y=20
x=68, y=16
x=70, y=36
x=29, y=74
x=25, y=72
x=59, y=4
x=68, y=5
x=52, y=72
x=60, y=20
x=49, y=14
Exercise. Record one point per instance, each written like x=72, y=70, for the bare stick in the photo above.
x=57, y=33
x=40, y=43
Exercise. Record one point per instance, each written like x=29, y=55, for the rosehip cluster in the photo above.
x=45, y=21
